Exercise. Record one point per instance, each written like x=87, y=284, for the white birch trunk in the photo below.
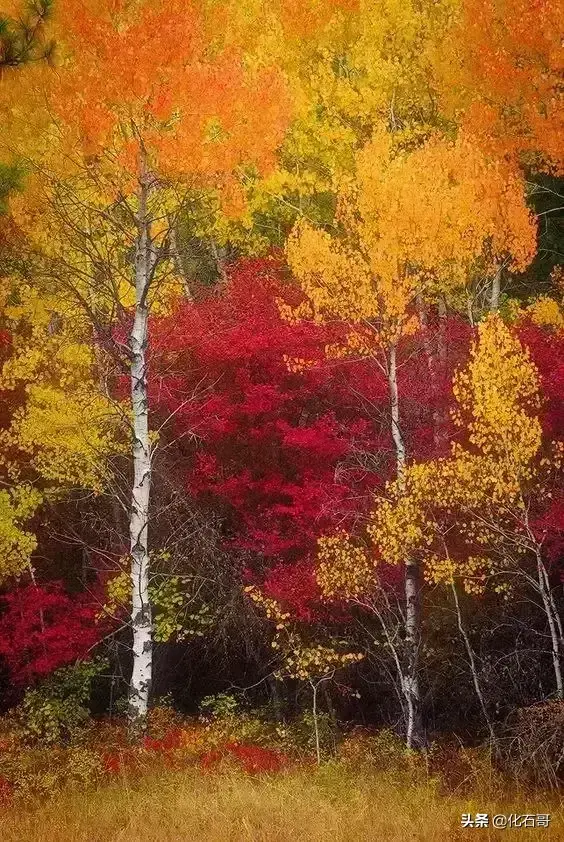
x=141, y=619
x=555, y=612
x=410, y=680
x=544, y=588
x=395, y=414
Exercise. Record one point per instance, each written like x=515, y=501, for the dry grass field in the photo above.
x=331, y=804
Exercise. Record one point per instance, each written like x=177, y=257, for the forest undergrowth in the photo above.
x=227, y=776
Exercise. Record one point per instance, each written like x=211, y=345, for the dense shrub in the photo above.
x=532, y=745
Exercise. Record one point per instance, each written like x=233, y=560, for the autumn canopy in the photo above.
x=281, y=364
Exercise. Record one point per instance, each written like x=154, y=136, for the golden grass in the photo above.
x=326, y=805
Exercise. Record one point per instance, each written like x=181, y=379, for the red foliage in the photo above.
x=548, y=527
x=120, y=760
x=43, y=628
x=271, y=437
x=253, y=759
x=286, y=455
x=171, y=741
x=112, y=763
x=295, y=585
x=547, y=352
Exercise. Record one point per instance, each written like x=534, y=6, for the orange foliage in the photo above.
x=507, y=76
x=133, y=73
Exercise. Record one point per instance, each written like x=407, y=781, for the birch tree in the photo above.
x=476, y=516
x=141, y=119
x=414, y=226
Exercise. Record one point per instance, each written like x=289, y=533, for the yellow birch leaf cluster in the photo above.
x=301, y=660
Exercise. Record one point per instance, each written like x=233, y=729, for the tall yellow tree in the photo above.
x=470, y=516
x=410, y=226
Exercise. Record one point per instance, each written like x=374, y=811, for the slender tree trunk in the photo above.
x=555, y=642
x=41, y=613
x=314, y=687
x=414, y=729
x=395, y=654
x=554, y=607
x=397, y=436
x=415, y=736
x=141, y=619
x=470, y=309
x=275, y=698
x=496, y=290
x=219, y=257
x=472, y=662
x=436, y=355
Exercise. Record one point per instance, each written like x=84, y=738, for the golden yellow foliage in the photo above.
x=67, y=428
x=498, y=396
x=118, y=591
x=365, y=66
x=482, y=483
x=343, y=568
x=416, y=223
x=303, y=661
x=546, y=312
x=16, y=544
